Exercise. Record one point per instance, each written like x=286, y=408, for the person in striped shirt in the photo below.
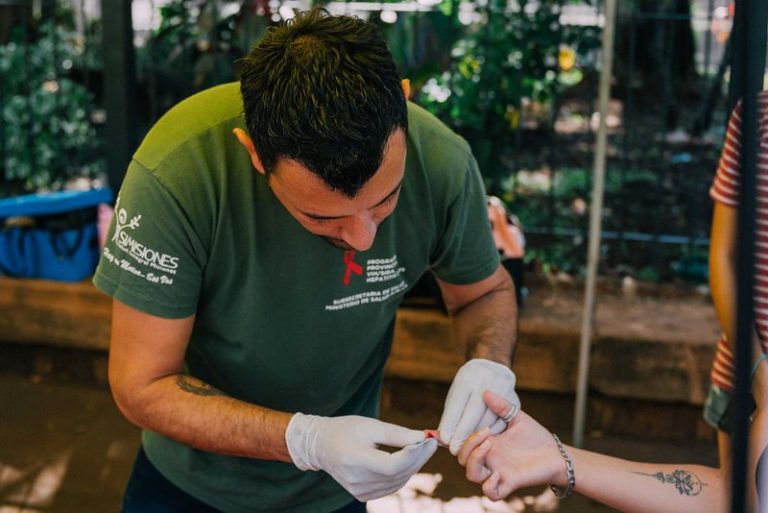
x=723, y=256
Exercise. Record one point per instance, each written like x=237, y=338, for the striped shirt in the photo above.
x=725, y=190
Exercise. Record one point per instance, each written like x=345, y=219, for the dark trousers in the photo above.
x=149, y=492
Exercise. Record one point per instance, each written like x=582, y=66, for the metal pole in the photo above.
x=708, y=38
x=595, y=222
x=752, y=17
x=738, y=41
x=119, y=87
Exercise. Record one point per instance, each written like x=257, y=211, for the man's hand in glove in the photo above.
x=347, y=448
x=465, y=411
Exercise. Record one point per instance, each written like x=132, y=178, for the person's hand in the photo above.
x=523, y=455
x=347, y=448
x=465, y=412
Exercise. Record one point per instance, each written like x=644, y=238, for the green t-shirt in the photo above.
x=284, y=319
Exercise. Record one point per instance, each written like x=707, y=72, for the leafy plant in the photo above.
x=420, y=42
x=506, y=70
x=47, y=135
x=196, y=46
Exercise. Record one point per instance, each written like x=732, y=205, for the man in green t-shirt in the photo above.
x=263, y=237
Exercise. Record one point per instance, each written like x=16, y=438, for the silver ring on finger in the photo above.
x=510, y=414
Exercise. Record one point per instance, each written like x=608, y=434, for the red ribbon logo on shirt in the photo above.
x=352, y=266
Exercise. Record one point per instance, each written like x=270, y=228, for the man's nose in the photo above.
x=359, y=232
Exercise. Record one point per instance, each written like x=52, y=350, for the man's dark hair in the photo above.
x=324, y=91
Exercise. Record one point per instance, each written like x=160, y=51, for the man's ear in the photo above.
x=247, y=143
x=406, y=84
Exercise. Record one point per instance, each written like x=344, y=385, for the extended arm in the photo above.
x=526, y=455
x=646, y=487
x=149, y=386
x=484, y=319
x=484, y=316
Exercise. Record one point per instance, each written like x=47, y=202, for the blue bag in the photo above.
x=51, y=236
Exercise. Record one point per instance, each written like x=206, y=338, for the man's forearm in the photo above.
x=488, y=325
x=189, y=411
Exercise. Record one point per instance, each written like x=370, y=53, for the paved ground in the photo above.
x=66, y=449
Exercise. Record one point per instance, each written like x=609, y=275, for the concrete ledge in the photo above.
x=54, y=313
x=644, y=348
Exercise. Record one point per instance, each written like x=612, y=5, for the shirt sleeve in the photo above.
x=466, y=252
x=725, y=188
x=152, y=260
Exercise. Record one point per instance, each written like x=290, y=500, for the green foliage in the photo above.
x=693, y=266
x=561, y=255
x=508, y=61
x=559, y=200
x=194, y=48
x=419, y=41
x=636, y=200
x=47, y=133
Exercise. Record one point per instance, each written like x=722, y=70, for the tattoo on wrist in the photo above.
x=200, y=388
x=686, y=483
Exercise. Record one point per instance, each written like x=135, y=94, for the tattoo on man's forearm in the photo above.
x=687, y=483
x=197, y=388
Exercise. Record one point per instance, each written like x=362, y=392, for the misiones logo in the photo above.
x=143, y=254
x=120, y=222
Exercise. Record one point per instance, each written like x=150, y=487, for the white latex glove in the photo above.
x=347, y=449
x=465, y=412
